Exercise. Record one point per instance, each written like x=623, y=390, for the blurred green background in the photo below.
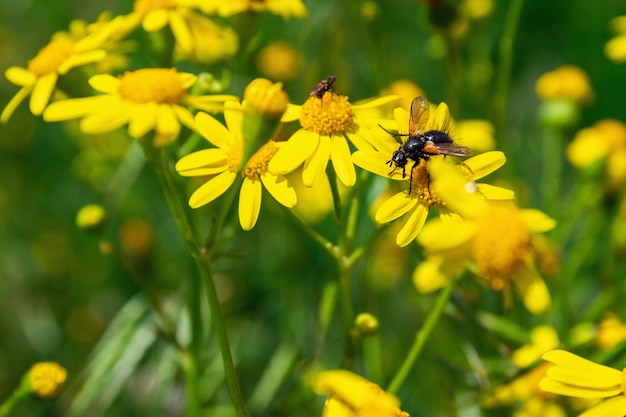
x=59, y=293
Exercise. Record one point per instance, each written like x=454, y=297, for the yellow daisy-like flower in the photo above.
x=46, y=378
x=566, y=82
x=64, y=52
x=574, y=376
x=611, y=331
x=146, y=99
x=224, y=163
x=210, y=42
x=542, y=339
x=326, y=122
x=350, y=395
x=615, y=48
x=496, y=238
x=284, y=8
x=605, y=139
x=414, y=207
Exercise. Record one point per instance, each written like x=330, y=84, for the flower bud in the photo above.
x=91, y=218
x=264, y=97
x=366, y=324
x=46, y=378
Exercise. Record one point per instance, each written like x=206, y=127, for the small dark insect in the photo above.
x=323, y=86
x=422, y=144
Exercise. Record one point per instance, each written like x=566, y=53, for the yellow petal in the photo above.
x=155, y=20
x=587, y=147
x=213, y=131
x=77, y=107
x=298, y=148
x=184, y=116
x=491, y=192
x=358, y=139
x=315, y=166
x=485, y=163
x=537, y=221
x=377, y=102
x=342, y=161
x=452, y=187
x=77, y=60
x=610, y=408
x=376, y=162
x=40, y=97
x=428, y=276
x=212, y=189
x=352, y=390
x=441, y=119
x=188, y=79
x=412, y=224
x=574, y=370
x=394, y=207
x=439, y=236
x=550, y=385
x=204, y=162
x=143, y=119
x=280, y=189
x=20, y=76
x=531, y=288
x=402, y=120
x=167, y=123
x=104, y=83
x=292, y=113
x=15, y=101
x=181, y=32
x=106, y=121
x=233, y=115
x=249, y=202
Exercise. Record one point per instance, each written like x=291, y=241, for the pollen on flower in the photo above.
x=151, y=85
x=235, y=155
x=420, y=187
x=51, y=56
x=330, y=115
x=143, y=7
x=257, y=164
x=501, y=242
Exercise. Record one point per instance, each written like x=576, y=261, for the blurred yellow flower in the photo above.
x=611, y=331
x=350, y=395
x=615, y=48
x=210, y=42
x=146, y=99
x=605, y=139
x=475, y=134
x=325, y=123
x=265, y=97
x=574, y=376
x=46, y=378
x=566, y=82
x=279, y=61
x=284, y=8
x=495, y=237
x=64, y=52
x=542, y=339
x=406, y=89
x=477, y=9
x=222, y=165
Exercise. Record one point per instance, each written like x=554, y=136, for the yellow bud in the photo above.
x=91, y=218
x=46, y=378
x=267, y=98
x=366, y=324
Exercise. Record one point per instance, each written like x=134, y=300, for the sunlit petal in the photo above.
x=104, y=83
x=394, y=207
x=531, y=288
x=491, y=192
x=249, y=202
x=342, y=160
x=280, y=189
x=40, y=97
x=155, y=20
x=485, y=163
x=610, y=408
x=15, y=101
x=181, y=32
x=143, y=119
x=212, y=189
x=315, y=166
x=20, y=76
x=213, y=131
x=439, y=236
x=412, y=225
x=204, y=162
x=538, y=221
x=299, y=147
x=377, y=163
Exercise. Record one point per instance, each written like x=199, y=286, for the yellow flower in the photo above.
x=224, y=163
x=406, y=89
x=475, y=134
x=566, y=82
x=209, y=41
x=326, y=122
x=64, y=52
x=611, y=331
x=146, y=100
x=46, y=378
x=574, y=376
x=542, y=339
x=495, y=237
x=267, y=98
x=615, y=48
x=605, y=139
x=414, y=207
x=350, y=395
x=284, y=8
x=91, y=218
x=279, y=61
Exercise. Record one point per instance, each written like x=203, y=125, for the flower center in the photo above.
x=330, y=115
x=420, y=186
x=257, y=164
x=235, y=154
x=144, y=7
x=151, y=85
x=502, y=241
x=51, y=56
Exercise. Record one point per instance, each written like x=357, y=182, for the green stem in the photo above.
x=421, y=337
x=505, y=63
x=201, y=258
x=20, y=392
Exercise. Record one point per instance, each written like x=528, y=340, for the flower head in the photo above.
x=350, y=395
x=225, y=162
x=566, y=82
x=64, y=52
x=494, y=237
x=615, y=48
x=574, y=376
x=542, y=339
x=326, y=122
x=279, y=61
x=611, y=331
x=46, y=378
x=284, y=8
x=150, y=99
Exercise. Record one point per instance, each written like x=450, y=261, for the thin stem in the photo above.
x=505, y=63
x=421, y=337
x=321, y=240
x=201, y=258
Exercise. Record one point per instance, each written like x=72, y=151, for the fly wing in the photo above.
x=451, y=149
x=420, y=113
